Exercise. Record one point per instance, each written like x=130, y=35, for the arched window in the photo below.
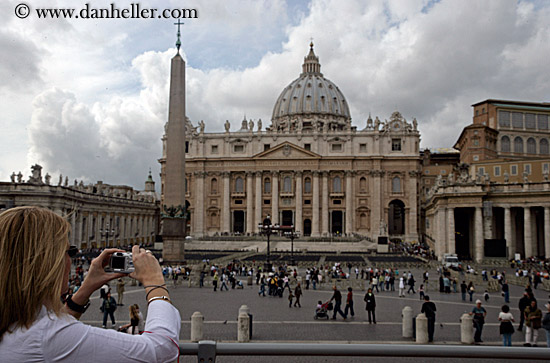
x=518, y=145
x=505, y=144
x=396, y=185
x=337, y=185
x=531, y=146
x=214, y=186
x=307, y=185
x=544, y=146
x=239, y=185
x=287, y=185
x=363, y=185
x=267, y=186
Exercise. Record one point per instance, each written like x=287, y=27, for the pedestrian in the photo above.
x=441, y=284
x=290, y=298
x=375, y=284
x=401, y=287
x=371, y=305
x=215, y=280
x=108, y=308
x=533, y=322
x=349, y=303
x=506, y=292
x=463, y=290
x=308, y=277
x=223, y=280
x=429, y=309
x=486, y=295
x=447, y=285
x=506, y=327
x=337, y=297
x=201, y=279
x=479, y=314
x=120, y=290
x=471, y=289
x=298, y=294
x=262, y=288
x=421, y=292
x=411, y=284
x=524, y=302
x=546, y=324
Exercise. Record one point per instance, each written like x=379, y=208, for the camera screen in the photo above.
x=117, y=262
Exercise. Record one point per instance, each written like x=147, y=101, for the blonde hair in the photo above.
x=33, y=243
x=134, y=314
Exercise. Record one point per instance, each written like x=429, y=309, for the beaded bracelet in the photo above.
x=165, y=298
x=154, y=288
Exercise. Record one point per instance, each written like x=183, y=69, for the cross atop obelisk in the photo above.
x=178, y=42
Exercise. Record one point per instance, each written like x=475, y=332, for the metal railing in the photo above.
x=207, y=350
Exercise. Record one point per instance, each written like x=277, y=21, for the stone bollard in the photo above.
x=244, y=309
x=407, y=315
x=249, y=280
x=421, y=329
x=243, y=326
x=466, y=329
x=197, y=321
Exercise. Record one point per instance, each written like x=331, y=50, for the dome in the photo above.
x=311, y=94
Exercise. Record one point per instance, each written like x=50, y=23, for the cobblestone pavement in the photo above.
x=274, y=321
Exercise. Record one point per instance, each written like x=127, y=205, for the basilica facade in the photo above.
x=310, y=168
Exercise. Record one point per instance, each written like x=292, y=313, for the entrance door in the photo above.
x=238, y=221
x=396, y=216
x=463, y=217
x=307, y=227
x=287, y=218
x=336, y=222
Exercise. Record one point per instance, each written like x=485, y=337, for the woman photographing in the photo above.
x=35, y=325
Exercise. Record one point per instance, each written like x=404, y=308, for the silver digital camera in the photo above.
x=121, y=262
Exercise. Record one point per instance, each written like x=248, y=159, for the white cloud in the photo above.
x=100, y=88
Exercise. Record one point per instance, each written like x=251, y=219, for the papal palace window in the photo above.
x=336, y=147
x=396, y=185
x=396, y=145
x=530, y=122
x=238, y=148
x=542, y=122
x=513, y=170
x=505, y=144
x=362, y=148
x=337, y=185
x=496, y=170
x=307, y=185
x=518, y=145
x=267, y=147
x=531, y=146
x=504, y=119
x=544, y=147
x=214, y=149
x=287, y=185
x=239, y=185
x=307, y=147
x=517, y=120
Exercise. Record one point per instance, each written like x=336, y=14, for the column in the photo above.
x=315, y=206
x=451, y=230
x=79, y=228
x=324, y=205
x=442, y=232
x=435, y=235
x=73, y=227
x=488, y=222
x=258, y=206
x=413, y=204
x=478, y=233
x=275, y=198
x=349, y=202
x=250, y=203
x=298, y=218
x=226, y=210
x=199, y=203
x=547, y=232
x=376, y=205
x=527, y=235
x=510, y=246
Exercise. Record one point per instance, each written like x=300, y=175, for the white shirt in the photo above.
x=52, y=338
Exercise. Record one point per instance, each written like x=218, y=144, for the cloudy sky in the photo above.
x=88, y=98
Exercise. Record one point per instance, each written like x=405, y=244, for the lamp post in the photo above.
x=267, y=229
x=106, y=232
x=291, y=233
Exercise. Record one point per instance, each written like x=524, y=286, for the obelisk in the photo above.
x=173, y=210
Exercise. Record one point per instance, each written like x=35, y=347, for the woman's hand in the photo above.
x=147, y=268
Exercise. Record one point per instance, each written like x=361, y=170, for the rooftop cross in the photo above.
x=178, y=42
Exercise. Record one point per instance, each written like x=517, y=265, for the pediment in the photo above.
x=287, y=150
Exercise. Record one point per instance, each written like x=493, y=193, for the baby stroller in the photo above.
x=322, y=311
